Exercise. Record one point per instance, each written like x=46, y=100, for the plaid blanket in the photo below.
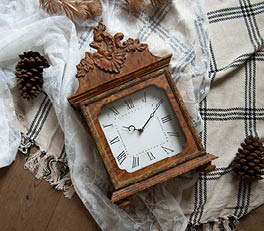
x=233, y=109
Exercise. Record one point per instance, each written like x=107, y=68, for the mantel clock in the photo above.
x=136, y=115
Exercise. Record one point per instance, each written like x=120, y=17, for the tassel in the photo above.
x=233, y=223
x=207, y=227
x=33, y=161
x=226, y=225
x=217, y=226
x=25, y=144
x=45, y=166
x=69, y=191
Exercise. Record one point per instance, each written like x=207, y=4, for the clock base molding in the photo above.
x=203, y=163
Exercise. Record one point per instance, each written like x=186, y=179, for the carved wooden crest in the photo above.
x=111, y=52
x=114, y=63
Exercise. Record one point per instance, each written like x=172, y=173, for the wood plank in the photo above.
x=253, y=221
x=25, y=201
x=28, y=204
x=72, y=215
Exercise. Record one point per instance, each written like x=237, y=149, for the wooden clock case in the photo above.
x=118, y=69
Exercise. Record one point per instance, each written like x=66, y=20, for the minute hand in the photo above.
x=152, y=114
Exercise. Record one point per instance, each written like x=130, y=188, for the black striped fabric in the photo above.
x=233, y=108
x=36, y=125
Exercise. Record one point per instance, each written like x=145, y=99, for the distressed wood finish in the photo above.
x=115, y=71
x=91, y=109
x=100, y=71
x=162, y=177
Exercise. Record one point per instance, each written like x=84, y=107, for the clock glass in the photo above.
x=141, y=129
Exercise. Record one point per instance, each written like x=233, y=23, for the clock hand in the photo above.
x=152, y=114
x=131, y=128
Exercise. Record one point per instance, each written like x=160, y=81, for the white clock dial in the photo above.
x=141, y=129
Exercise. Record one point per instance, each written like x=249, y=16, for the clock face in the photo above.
x=141, y=129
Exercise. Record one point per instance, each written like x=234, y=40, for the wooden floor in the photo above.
x=28, y=204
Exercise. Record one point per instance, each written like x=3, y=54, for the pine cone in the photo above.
x=248, y=164
x=29, y=74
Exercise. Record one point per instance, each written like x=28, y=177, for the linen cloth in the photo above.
x=232, y=106
x=232, y=110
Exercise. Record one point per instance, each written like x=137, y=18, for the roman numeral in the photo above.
x=135, y=162
x=166, y=119
x=129, y=103
x=151, y=156
x=115, y=140
x=107, y=125
x=114, y=110
x=167, y=150
x=121, y=157
x=174, y=134
x=144, y=99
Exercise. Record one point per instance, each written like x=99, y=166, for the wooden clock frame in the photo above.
x=101, y=81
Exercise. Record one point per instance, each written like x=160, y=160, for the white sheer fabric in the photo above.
x=179, y=28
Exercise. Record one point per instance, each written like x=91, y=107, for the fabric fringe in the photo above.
x=226, y=225
x=221, y=224
x=25, y=144
x=207, y=227
x=53, y=170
